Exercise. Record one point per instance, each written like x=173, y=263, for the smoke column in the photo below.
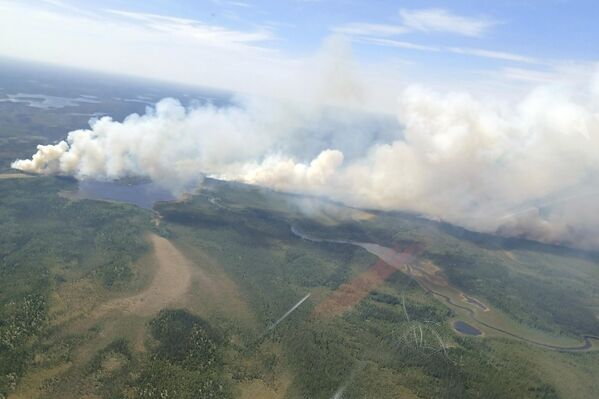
x=446, y=156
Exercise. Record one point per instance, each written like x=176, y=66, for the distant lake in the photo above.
x=48, y=102
x=465, y=328
x=144, y=195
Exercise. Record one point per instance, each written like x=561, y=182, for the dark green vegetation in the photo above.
x=46, y=242
x=187, y=361
x=397, y=340
x=546, y=287
x=247, y=229
x=554, y=302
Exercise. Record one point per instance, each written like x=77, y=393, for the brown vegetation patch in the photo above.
x=4, y=176
x=254, y=389
x=170, y=283
x=212, y=290
x=349, y=294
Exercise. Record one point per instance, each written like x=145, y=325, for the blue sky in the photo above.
x=444, y=43
x=541, y=28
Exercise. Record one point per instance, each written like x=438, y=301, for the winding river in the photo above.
x=426, y=279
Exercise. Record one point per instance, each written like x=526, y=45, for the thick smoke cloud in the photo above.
x=176, y=146
x=526, y=169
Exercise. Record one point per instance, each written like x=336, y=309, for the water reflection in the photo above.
x=465, y=328
x=144, y=195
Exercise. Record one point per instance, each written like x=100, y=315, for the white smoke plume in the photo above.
x=490, y=167
x=286, y=174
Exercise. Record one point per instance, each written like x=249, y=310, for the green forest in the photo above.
x=248, y=269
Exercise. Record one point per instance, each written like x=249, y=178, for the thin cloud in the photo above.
x=64, y=6
x=213, y=35
x=476, y=52
x=499, y=55
x=368, y=29
x=395, y=43
x=423, y=20
x=528, y=75
x=57, y=3
x=440, y=20
x=232, y=3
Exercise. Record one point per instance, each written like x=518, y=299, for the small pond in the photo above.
x=465, y=328
x=144, y=195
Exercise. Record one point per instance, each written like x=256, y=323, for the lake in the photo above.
x=144, y=195
x=465, y=328
x=44, y=101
